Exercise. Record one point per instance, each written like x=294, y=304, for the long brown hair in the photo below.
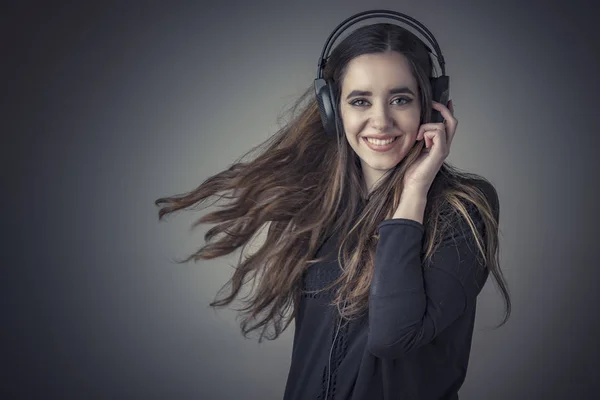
x=304, y=186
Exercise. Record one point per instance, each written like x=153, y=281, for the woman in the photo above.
x=376, y=246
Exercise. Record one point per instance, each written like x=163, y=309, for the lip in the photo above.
x=381, y=137
x=383, y=148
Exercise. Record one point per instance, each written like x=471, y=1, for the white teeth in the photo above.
x=380, y=142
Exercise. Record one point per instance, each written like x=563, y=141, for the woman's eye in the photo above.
x=361, y=102
x=355, y=102
x=406, y=100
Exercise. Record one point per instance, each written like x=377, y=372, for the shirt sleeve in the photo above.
x=410, y=305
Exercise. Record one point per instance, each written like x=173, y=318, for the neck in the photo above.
x=371, y=177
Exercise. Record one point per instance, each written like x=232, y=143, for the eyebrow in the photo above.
x=367, y=93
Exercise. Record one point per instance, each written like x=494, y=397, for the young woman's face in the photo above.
x=379, y=99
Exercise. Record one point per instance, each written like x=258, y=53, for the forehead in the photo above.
x=378, y=71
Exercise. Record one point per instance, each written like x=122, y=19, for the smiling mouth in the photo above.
x=380, y=142
x=380, y=146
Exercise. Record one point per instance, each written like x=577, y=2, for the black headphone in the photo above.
x=324, y=89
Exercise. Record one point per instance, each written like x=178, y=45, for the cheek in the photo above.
x=412, y=132
x=351, y=123
x=411, y=125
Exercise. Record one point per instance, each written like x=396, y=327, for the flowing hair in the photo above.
x=303, y=186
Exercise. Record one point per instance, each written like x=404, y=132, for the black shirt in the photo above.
x=414, y=343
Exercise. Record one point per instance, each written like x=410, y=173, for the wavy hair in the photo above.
x=303, y=186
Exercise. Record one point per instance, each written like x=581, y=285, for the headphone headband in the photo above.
x=344, y=25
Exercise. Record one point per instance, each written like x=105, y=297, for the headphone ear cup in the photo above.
x=325, y=102
x=333, y=105
x=440, y=91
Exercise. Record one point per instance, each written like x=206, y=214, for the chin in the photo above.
x=381, y=165
x=383, y=161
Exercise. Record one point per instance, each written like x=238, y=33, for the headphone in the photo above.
x=324, y=88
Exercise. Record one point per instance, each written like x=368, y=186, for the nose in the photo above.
x=380, y=118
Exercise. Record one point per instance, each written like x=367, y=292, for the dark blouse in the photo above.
x=415, y=340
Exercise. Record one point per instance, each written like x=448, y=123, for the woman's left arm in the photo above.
x=410, y=305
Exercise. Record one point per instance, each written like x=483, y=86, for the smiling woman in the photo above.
x=381, y=118
x=376, y=247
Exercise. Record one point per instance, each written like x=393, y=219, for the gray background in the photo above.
x=107, y=107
